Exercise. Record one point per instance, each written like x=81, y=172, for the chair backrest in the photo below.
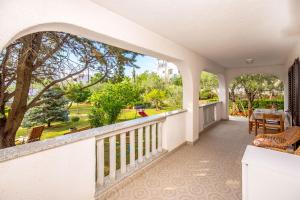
x=35, y=134
x=272, y=117
x=250, y=112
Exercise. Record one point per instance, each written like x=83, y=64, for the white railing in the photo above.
x=89, y=161
x=145, y=139
x=209, y=114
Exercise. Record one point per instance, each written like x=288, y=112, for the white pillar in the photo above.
x=191, y=80
x=223, y=96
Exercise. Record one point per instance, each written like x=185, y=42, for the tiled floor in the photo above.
x=209, y=170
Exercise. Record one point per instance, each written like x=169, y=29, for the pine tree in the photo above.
x=53, y=109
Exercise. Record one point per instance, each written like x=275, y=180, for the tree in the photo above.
x=150, y=80
x=174, y=96
x=76, y=93
x=155, y=97
x=52, y=110
x=254, y=86
x=208, y=85
x=48, y=59
x=110, y=99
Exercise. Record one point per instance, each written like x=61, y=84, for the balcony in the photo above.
x=209, y=169
x=194, y=153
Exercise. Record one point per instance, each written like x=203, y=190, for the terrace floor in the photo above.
x=208, y=170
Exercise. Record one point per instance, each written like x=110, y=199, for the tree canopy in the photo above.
x=48, y=59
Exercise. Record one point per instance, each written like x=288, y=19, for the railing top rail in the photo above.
x=209, y=104
x=35, y=147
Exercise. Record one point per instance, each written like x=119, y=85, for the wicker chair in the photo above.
x=297, y=152
x=280, y=140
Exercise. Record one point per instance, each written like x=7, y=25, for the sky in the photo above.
x=146, y=63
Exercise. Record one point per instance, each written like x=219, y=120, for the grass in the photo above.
x=82, y=111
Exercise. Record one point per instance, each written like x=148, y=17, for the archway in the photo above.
x=253, y=91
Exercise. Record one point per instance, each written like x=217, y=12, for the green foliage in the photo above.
x=53, y=109
x=148, y=81
x=176, y=80
x=260, y=103
x=209, y=86
x=174, y=96
x=110, y=99
x=76, y=94
x=155, y=97
x=255, y=86
x=158, y=92
x=75, y=119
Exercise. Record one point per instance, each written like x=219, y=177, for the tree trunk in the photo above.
x=49, y=124
x=27, y=57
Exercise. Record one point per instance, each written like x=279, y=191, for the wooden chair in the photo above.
x=273, y=122
x=251, y=121
x=281, y=140
x=35, y=134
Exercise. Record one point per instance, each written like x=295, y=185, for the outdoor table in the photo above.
x=258, y=115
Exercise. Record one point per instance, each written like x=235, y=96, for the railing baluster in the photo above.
x=153, y=131
x=140, y=144
x=123, y=152
x=159, y=137
x=112, y=157
x=132, y=148
x=100, y=162
x=147, y=138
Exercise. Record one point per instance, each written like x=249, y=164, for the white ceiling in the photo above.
x=226, y=31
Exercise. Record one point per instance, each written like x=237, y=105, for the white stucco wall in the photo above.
x=66, y=172
x=173, y=131
x=90, y=20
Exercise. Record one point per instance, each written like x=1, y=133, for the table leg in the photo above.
x=256, y=124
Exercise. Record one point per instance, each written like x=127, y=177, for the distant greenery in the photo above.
x=255, y=91
x=208, y=87
x=110, y=99
x=61, y=128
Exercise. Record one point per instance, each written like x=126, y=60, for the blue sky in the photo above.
x=146, y=63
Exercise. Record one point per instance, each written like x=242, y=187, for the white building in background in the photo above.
x=166, y=69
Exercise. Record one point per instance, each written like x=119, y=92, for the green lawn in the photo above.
x=82, y=111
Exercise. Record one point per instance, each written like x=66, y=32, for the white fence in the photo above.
x=79, y=165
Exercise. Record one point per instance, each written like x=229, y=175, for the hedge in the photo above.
x=261, y=103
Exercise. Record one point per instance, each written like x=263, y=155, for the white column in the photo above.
x=100, y=162
x=112, y=157
x=123, y=152
x=140, y=145
x=132, y=148
x=159, y=137
x=153, y=133
x=190, y=73
x=147, y=141
x=223, y=96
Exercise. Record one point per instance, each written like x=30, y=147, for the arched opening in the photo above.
x=66, y=83
x=209, y=88
x=255, y=91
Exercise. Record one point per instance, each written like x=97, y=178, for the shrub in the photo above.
x=75, y=119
